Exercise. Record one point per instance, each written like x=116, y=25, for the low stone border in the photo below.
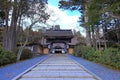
x=17, y=77
x=95, y=76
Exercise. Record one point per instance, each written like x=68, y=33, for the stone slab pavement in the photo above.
x=58, y=67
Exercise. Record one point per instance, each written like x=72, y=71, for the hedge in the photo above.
x=26, y=54
x=109, y=56
x=6, y=57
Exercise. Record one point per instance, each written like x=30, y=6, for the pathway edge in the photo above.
x=19, y=75
x=85, y=68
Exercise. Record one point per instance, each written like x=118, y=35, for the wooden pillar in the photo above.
x=40, y=49
x=46, y=50
x=70, y=50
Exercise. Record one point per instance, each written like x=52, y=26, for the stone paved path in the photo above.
x=58, y=67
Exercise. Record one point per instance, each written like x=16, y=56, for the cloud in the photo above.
x=65, y=21
x=62, y=18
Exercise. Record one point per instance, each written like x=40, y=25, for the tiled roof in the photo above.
x=58, y=33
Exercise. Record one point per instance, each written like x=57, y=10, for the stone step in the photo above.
x=57, y=70
x=58, y=67
x=57, y=79
x=35, y=74
x=61, y=62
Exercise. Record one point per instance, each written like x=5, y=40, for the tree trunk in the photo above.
x=27, y=38
x=21, y=49
x=104, y=38
x=5, y=32
x=88, y=32
x=98, y=45
x=88, y=36
x=93, y=40
x=12, y=30
x=118, y=32
x=118, y=35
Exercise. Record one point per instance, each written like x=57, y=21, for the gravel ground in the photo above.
x=101, y=71
x=10, y=71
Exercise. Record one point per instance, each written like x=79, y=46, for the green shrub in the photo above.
x=1, y=49
x=98, y=56
x=109, y=56
x=6, y=57
x=77, y=51
x=88, y=52
x=26, y=54
x=84, y=51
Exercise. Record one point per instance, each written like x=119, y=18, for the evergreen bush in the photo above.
x=77, y=51
x=109, y=56
x=26, y=54
x=6, y=57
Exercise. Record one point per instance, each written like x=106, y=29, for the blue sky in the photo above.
x=65, y=18
x=53, y=2
x=56, y=2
